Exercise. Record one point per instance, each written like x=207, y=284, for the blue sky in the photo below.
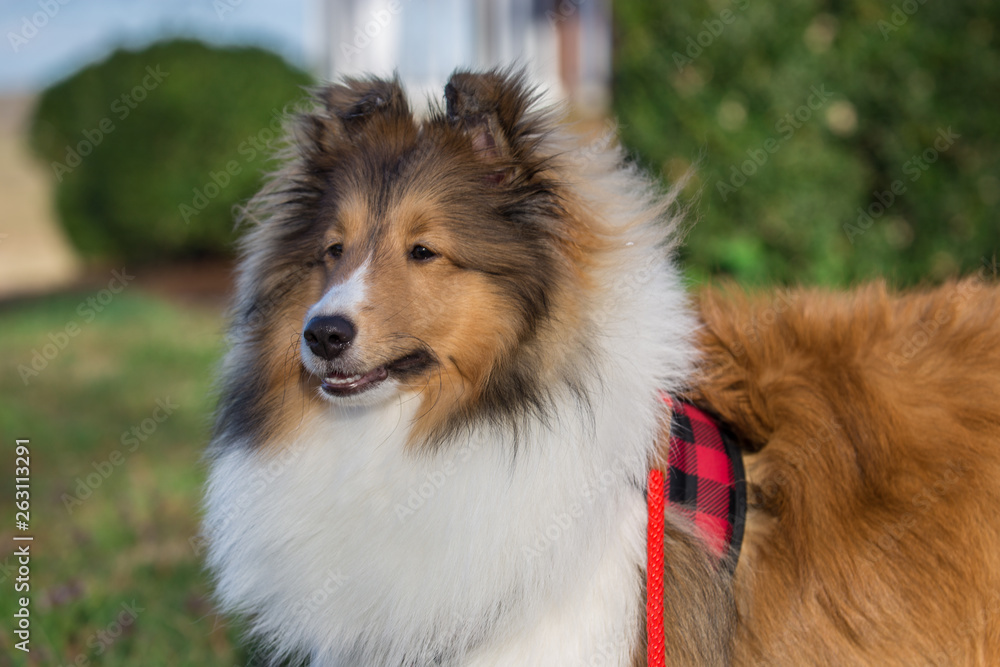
x=61, y=36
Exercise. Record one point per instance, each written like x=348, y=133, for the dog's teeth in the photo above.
x=343, y=380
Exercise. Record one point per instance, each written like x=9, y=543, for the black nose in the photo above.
x=328, y=336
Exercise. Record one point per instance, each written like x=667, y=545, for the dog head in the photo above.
x=433, y=258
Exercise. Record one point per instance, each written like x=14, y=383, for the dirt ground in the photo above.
x=34, y=254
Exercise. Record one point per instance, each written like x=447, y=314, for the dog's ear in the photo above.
x=353, y=106
x=491, y=109
x=356, y=102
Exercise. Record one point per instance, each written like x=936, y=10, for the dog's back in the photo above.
x=873, y=534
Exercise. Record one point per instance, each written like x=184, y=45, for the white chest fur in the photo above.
x=366, y=553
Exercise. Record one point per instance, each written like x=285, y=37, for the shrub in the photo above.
x=718, y=85
x=151, y=149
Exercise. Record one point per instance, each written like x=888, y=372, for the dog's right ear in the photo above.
x=358, y=101
x=492, y=108
x=355, y=105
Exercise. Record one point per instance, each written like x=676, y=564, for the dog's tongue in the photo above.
x=350, y=384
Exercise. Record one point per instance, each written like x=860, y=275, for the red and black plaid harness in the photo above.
x=704, y=482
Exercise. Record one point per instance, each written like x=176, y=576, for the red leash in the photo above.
x=706, y=484
x=655, y=651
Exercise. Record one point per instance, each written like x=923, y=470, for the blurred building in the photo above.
x=565, y=45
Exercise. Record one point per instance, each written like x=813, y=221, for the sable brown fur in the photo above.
x=872, y=422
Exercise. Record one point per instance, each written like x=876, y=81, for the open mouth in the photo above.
x=347, y=385
x=351, y=384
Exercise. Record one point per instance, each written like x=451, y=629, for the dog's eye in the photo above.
x=421, y=253
x=336, y=250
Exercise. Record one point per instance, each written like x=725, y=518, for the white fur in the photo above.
x=349, y=546
x=344, y=298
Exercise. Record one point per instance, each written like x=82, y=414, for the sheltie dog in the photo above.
x=451, y=343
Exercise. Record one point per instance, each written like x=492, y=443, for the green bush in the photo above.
x=711, y=85
x=151, y=149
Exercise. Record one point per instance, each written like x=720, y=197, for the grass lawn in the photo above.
x=115, y=577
